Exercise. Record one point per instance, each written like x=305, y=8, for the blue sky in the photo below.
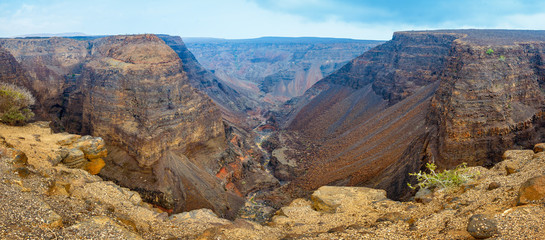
x=361, y=19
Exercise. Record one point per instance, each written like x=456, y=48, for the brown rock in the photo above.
x=204, y=216
x=540, y=147
x=493, y=185
x=423, y=195
x=92, y=147
x=482, y=226
x=510, y=168
x=329, y=198
x=532, y=191
x=95, y=165
x=75, y=159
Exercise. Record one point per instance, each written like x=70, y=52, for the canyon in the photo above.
x=447, y=97
x=265, y=121
x=175, y=132
x=275, y=69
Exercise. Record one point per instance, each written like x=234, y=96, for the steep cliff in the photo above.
x=233, y=104
x=165, y=138
x=438, y=96
x=273, y=68
x=51, y=65
x=10, y=70
x=490, y=98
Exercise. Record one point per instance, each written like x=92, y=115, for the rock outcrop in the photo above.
x=165, y=138
x=234, y=105
x=439, y=96
x=41, y=200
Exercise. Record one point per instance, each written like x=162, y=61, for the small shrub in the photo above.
x=15, y=104
x=447, y=179
x=502, y=58
x=489, y=51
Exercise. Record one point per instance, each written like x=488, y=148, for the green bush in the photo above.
x=489, y=51
x=447, y=179
x=15, y=104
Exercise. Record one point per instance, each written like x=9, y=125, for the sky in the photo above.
x=235, y=19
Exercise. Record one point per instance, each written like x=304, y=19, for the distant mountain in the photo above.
x=275, y=68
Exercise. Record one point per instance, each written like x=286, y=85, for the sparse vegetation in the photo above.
x=447, y=179
x=15, y=104
x=489, y=51
x=502, y=58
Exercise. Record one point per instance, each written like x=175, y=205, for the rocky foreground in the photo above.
x=45, y=195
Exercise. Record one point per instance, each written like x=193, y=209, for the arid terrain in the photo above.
x=275, y=138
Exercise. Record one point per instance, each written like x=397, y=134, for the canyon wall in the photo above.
x=438, y=96
x=234, y=104
x=166, y=139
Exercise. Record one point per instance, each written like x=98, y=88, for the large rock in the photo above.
x=532, y=191
x=121, y=199
x=204, y=216
x=329, y=198
x=540, y=147
x=82, y=152
x=482, y=226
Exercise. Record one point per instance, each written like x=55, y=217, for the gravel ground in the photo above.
x=41, y=201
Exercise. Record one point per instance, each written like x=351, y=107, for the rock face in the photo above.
x=164, y=137
x=281, y=68
x=233, y=104
x=423, y=96
x=11, y=71
x=51, y=65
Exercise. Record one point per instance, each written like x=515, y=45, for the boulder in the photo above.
x=85, y=152
x=92, y=147
x=205, y=216
x=532, y=191
x=518, y=154
x=540, y=147
x=482, y=226
x=329, y=198
x=13, y=155
x=68, y=139
x=493, y=185
x=423, y=195
x=75, y=158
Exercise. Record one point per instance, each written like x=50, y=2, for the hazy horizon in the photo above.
x=245, y=19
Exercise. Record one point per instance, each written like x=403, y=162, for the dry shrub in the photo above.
x=15, y=102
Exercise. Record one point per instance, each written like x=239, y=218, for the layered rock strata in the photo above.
x=439, y=96
x=165, y=138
